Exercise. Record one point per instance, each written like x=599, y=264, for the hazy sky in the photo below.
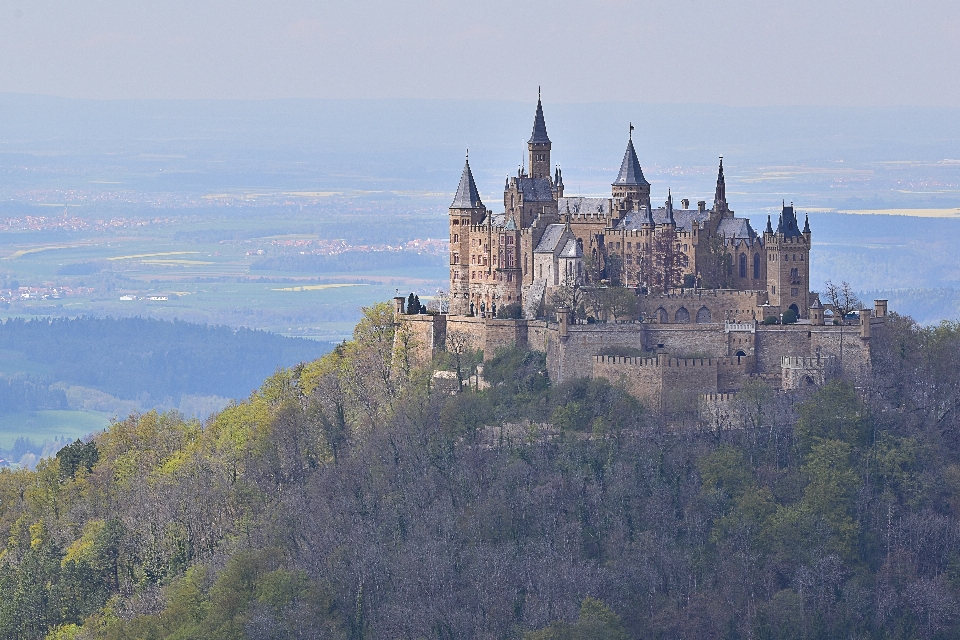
x=744, y=52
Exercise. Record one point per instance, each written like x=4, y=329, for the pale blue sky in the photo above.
x=749, y=52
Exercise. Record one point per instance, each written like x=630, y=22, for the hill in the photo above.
x=352, y=497
x=139, y=359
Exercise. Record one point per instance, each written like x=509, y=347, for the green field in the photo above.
x=46, y=426
x=201, y=271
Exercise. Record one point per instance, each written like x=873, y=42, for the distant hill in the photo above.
x=130, y=358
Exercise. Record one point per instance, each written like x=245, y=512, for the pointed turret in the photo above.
x=769, y=225
x=631, y=189
x=538, y=146
x=806, y=224
x=467, y=195
x=670, y=219
x=539, y=125
x=648, y=216
x=631, y=175
x=720, y=197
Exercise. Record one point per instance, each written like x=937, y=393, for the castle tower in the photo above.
x=720, y=197
x=631, y=190
x=788, y=264
x=465, y=210
x=539, y=145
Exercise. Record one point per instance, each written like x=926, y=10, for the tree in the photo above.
x=568, y=296
x=667, y=261
x=622, y=303
x=596, y=622
x=842, y=299
x=717, y=268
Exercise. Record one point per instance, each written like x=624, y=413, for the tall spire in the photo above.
x=670, y=219
x=467, y=195
x=806, y=223
x=769, y=224
x=630, y=172
x=539, y=124
x=720, y=197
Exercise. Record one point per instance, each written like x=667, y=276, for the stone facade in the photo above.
x=497, y=259
x=692, y=344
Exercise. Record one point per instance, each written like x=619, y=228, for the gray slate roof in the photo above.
x=583, y=205
x=550, y=238
x=571, y=250
x=467, y=196
x=630, y=172
x=738, y=228
x=535, y=189
x=788, y=222
x=683, y=217
x=539, y=126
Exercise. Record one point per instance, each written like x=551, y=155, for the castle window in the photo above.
x=773, y=289
x=743, y=265
x=456, y=258
x=801, y=257
x=756, y=266
x=682, y=315
x=629, y=245
x=456, y=237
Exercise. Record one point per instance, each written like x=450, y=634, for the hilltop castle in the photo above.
x=704, y=282
x=544, y=240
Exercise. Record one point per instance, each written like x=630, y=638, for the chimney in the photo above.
x=685, y=203
x=702, y=206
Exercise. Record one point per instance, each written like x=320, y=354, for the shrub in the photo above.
x=770, y=320
x=512, y=311
x=789, y=316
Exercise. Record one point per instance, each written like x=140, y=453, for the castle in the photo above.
x=713, y=303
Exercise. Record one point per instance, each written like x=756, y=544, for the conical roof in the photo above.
x=467, y=195
x=539, y=134
x=630, y=172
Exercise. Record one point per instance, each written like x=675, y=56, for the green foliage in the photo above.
x=835, y=412
x=771, y=320
x=346, y=498
x=76, y=456
x=789, y=316
x=596, y=622
x=511, y=311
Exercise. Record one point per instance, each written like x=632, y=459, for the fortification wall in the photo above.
x=852, y=352
x=660, y=382
x=720, y=305
x=424, y=335
x=733, y=372
x=641, y=377
x=468, y=328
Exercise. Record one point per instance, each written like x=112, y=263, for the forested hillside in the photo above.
x=133, y=357
x=348, y=498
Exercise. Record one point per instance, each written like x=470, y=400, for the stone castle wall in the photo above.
x=672, y=353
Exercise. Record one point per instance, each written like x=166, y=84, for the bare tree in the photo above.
x=665, y=270
x=842, y=299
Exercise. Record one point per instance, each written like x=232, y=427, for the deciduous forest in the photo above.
x=350, y=497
